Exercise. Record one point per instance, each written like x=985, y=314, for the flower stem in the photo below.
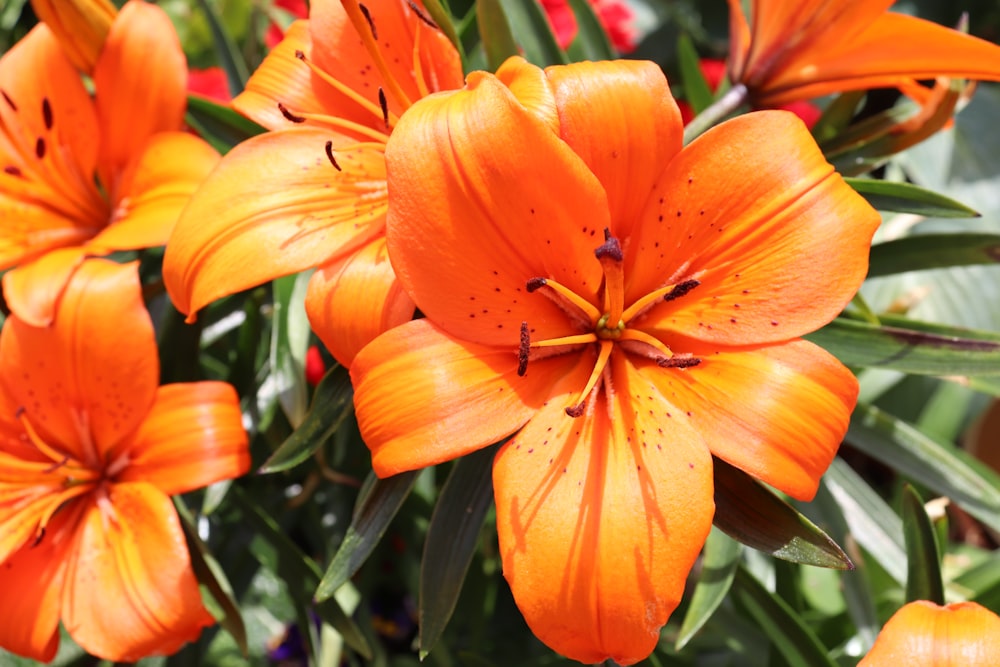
x=718, y=110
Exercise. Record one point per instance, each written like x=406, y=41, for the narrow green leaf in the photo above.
x=229, y=54
x=220, y=126
x=909, y=198
x=796, y=642
x=591, y=42
x=720, y=558
x=923, y=572
x=210, y=574
x=534, y=33
x=947, y=471
x=375, y=511
x=837, y=116
x=330, y=406
x=289, y=342
x=933, y=251
x=911, y=349
x=696, y=90
x=451, y=542
x=494, y=30
x=749, y=513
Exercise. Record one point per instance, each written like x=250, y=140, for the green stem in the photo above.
x=718, y=110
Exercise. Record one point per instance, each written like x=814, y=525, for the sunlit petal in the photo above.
x=33, y=290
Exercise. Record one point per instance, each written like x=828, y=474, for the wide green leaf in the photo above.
x=696, y=90
x=750, y=513
x=923, y=571
x=451, y=542
x=720, y=558
x=911, y=349
x=530, y=24
x=289, y=342
x=378, y=504
x=933, y=251
x=909, y=198
x=494, y=30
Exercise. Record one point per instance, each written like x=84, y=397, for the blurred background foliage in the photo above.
x=395, y=558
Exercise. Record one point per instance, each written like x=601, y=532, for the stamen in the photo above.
x=289, y=115
x=47, y=113
x=610, y=256
x=659, y=348
x=40, y=148
x=329, y=154
x=36, y=440
x=382, y=102
x=12, y=170
x=523, y=350
x=575, y=339
x=678, y=362
x=359, y=18
x=420, y=14
x=10, y=102
x=368, y=17
x=568, y=297
x=665, y=293
x=338, y=123
x=603, y=355
x=358, y=99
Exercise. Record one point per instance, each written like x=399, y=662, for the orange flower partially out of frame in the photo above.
x=312, y=192
x=83, y=176
x=91, y=449
x=923, y=634
x=81, y=26
x=787, y=51
x=624, y=309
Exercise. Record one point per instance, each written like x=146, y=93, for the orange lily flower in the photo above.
x=800, y=50
x=624, y=309
x=81, y=26
x=312, y=192
x=82, y=176
x=923, y=634
x=91, y=449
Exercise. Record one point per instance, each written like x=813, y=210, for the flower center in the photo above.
x=607, y=328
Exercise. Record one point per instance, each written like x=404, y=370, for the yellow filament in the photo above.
x=54, y=455
x=588, y=308
x=364, y=103
x=343, y=124
x=60, y=500
x=363, y=28
x=647, y=301
x=602, y=360
x=578, y=339
x=643, y=337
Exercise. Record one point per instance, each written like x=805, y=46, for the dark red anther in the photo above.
x=300, y=54
x=680, y=289
x=329, y=154
x=420, y=14
x=10, y=102
x=289, y=115
x=534, y=284
x=368, y=17
x=384, y=103
x=576, y=410
x=47, y=113
x=678, y=362
x=12, y=170
x=610, y=248
x=523, y=350
x=40, y=148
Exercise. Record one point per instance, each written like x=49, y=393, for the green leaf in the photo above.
x=451, y=542
x=914, y=349
x=909, y=198
x=720, y=558
x=796, y=642
x=591, y=41
x=696, y=90
x=837, y=116
x=494, y=30
x=749, y=513
x=933, y=251
x=377, y=506
x=923, y=572
x=531, y=25
x=210, y=574
x=289, y=341
x=945, y=470
x=220, y=126
x=229, y=54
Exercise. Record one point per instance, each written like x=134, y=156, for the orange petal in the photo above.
x=29, y=495
x=192, y=437
x=485, y=198
x=754, y=212
x=778, y=413
x=33, y=290
x=48, y=148
x=141, y=83
x=88, y=380
x=354, y=299
x=601, y=517
x=157, y=186
x=277, y=191
x=532, y=88
x=459, y=397
x=620, y=117
x=130, y=591
x=922, y=634
x=32, y=582
x=81, y=26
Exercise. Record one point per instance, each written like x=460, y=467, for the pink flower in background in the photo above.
x=615, y=16
x=210, y=83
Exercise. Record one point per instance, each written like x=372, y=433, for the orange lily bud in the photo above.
x=81, y=26
x=923, y=634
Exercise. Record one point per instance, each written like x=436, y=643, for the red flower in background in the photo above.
x=615, y=16
x=275, y=33
x=210, y=83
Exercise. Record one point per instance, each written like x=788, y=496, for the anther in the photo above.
x=678, y=362
x=329, y=154
x=576, y=410
x=523, y=350
x=368, y=17
x=40, y=148
x=420, y=14
x=288, y=114
x=10, y=102
x=300, y=54
x=680, y=289
x=384, y=103
x=41, y=536
x=47, y=113
x=12, y=170
x=535, y=284
x=611, y=248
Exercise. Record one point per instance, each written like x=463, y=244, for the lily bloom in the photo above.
x=923, y=634
x=91, y=449
x=81, y=26
x=312, y=193
x=83, y=176
x=622, y=309
x=786, y=51
x=615, y=16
